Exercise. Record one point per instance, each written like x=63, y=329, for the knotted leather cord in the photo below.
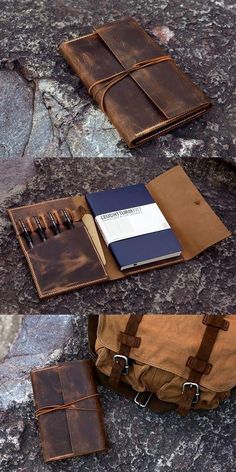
x=199, y=364
x=115, y=78
x=66, y=406
x=118, y=366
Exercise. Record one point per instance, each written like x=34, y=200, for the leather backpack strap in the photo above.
x=199, y=364
x=127, y=339
x=143, y=399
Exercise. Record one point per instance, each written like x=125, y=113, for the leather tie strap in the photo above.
x=108, y=82
x=199, y=365
x=128, y=339
x=66, y=406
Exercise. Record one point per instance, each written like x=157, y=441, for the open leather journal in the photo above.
x=140, y=88
x=65, y=249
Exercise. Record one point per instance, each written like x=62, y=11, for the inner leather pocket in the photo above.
x=65, y=261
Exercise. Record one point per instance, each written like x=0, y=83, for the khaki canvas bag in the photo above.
x=166, y=362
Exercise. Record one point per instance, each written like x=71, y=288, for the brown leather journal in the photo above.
x=68, y=261
x=142, y=90
x=68, y=410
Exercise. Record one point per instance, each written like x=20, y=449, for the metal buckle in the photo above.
x=191, y=385
x=126, y=366
x=142, y=405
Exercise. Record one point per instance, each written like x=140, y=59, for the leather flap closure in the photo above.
x=47, y=392
x=194, y=223
x=72, y=431
x=167, y=341
x=164, y=83
x=76, y=382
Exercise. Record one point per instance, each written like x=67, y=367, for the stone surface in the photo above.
x=139, y=440
x=9, y=329
x=206, y=283
x=39, y=91
x=40, y=340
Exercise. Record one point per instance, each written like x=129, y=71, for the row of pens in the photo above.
x=53, y=221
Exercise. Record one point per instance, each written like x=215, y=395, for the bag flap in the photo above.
x=168, y=340
x=164, y=83
x=194, y=223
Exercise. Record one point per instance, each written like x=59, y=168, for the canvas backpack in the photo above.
x=166, y=362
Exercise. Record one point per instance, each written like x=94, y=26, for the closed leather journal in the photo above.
x=78, y=256
x=68, y=410
x=140, y=88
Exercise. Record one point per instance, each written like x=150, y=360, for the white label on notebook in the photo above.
x=131, y=222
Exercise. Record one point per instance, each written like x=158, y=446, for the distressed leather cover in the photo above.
x=167, y=341
x=68, y=433
x=165, y=95
x=66, y=262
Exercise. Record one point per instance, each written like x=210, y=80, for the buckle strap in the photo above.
x=123, y=361
x=120, y=363
x=194, y=391
x=199, y=364
x=129, y=340
x=216, y=321
x=143, y=402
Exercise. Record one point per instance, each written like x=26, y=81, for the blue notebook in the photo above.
x=133, y=226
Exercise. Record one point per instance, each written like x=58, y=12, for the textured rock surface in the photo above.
x=139, y=440
x=205, y=283
x=39, y=89
x=9, y=329
x=40, y=340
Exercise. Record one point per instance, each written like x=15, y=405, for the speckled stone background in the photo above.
x=139, y=439
x=206, y=283
x=46, y=111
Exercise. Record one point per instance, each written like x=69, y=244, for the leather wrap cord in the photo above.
x=127, y=340
x=199, y=364
x=108, y=82
x=66, y=406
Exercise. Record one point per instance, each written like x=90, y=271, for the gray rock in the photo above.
x=66, y=122
x=16, y=110
x=206, y=283
x=9, y=328
x=139, y=440
x=40, y=341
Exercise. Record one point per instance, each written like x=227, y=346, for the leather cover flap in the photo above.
x=168, y=340
x=166, y=96
x=194, y=223
x=164, y=83
x=69, y=432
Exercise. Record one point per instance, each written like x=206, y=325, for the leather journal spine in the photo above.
x=68, y=410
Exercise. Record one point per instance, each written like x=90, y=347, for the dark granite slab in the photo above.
x=206, y=283
x=46, y=111
x=139, y=439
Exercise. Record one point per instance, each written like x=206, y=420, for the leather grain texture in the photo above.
x=70, y=261
x=166, y=96
x=66, y=261
x=74, y=431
